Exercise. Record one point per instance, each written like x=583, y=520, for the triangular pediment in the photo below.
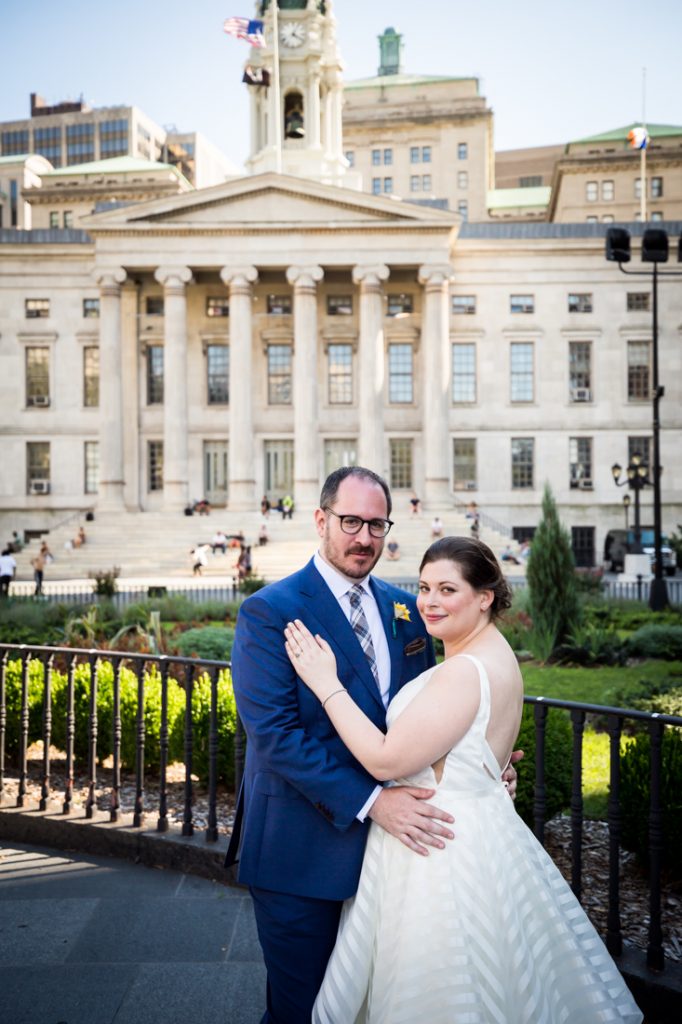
x=268, y=201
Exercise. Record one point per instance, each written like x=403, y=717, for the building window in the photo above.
x=54, y=218
x=399, y=305
x=640, y=446
x=38, y=376
x=388, y=184
x=522, y=452
x=462, y=179
x=592, y=220
x=464, y=373
x=279, y=374
x=340, y=374
x=113, y=138
x=592, y=191
x=639, y=375
x=80, y=143
x=388, y=157
x=607, y=191
x=15, y=143
x=218, y=305
x=580, y=371
x=426, y=182
x=339, y=305
x=155, y=465
x=90, y=309
x=38, y=467
x=463, y=209
x=218, y=374
x=415, y=183
x=400, y=374
x=463, y=304
x=582, y=542
x=91, y=376
x=657, y=215
x=530, y=181
x=376, y=157
x=414, y=154
x=580, y=302
x=608, y=218
x=426, y=154
x=580, y=462
x=521, y=303
x=638, y=188
x=153, y=305
x=48, y=143
x=91, y=461
x=401, y=463
x=350, y=157
x=376, y=186
x=68, y=218
x=657, y=188
x=154, y=374
x=339, y=452
x=279, y=305
x=521, y=379
x=37, y=309
x=638, y=302
x=462, y=151
x=13, y=202
x=464, y=464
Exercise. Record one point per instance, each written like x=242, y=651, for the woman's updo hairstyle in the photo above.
x=478, y=566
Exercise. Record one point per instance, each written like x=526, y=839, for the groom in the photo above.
x=306, y=801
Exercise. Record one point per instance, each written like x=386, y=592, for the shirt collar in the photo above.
x=337, y=583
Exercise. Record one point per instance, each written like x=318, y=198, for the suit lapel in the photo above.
x=332, y=623
x=395, y=640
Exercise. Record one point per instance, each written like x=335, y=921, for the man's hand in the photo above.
x=509, y=776
x=403, y=811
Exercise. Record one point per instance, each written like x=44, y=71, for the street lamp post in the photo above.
x=636, y=477
x=654, y=250
x=626, y=509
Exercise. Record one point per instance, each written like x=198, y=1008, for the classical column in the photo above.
x=175, y=411
x=110, y=492
x=371, y=366
x=242, y=484
x=436, y=382
x=306, y=439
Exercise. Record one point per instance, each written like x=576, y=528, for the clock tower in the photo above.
x=296, y=122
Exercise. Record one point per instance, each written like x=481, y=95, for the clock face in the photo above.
x=292, y=34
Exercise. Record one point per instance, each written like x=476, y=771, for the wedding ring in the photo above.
x=297, y=654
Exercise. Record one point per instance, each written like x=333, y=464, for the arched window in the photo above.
x=293, y=116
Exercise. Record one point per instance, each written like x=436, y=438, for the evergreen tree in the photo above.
x=552, y=585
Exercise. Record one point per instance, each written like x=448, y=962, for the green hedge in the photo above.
x=128, y=703
x=558, y=763
x=635, y=795
x=656, y=641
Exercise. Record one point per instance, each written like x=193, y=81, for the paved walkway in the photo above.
x=93, y=940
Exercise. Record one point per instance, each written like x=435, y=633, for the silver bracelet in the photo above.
x=342, y=689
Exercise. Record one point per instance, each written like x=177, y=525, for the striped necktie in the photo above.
x=361, y=628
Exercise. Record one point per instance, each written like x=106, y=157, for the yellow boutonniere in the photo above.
x=401, y=611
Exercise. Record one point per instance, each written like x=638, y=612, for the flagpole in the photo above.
x=278, y=112
x=642, y=155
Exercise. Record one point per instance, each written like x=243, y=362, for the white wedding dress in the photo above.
x=484, y=931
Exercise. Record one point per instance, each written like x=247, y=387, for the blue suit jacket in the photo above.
x=302, y=788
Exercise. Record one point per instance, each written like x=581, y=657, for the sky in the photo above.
x=551, y=71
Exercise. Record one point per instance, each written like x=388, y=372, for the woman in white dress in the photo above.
x=485, y=930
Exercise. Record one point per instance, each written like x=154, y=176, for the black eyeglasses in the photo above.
x=353, y=524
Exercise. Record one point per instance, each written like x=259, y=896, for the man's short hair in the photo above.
x=330, y=488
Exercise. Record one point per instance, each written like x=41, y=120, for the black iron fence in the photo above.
x=16, y=710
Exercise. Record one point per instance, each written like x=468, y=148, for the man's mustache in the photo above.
x=360, y=549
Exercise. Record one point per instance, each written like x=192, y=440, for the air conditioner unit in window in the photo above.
x=39, y=487
x=581, y=395
x=471, y=485
x=585, y=484
x=39, y=400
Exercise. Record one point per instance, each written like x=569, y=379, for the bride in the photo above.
x=485, y=930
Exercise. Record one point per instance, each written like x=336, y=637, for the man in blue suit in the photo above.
x=306, y=801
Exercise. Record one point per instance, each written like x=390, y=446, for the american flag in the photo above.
x=245, y=28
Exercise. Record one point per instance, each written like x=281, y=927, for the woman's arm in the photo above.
x=428, y=728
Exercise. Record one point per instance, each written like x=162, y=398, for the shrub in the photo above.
x=251, y=584
x=553, y=593
x=13, y=704
x=656, y=641
x=31, y=622
x=201, y=719
x=558, y=764
x=635, y=797
x=213, y=643
x=105, y=581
